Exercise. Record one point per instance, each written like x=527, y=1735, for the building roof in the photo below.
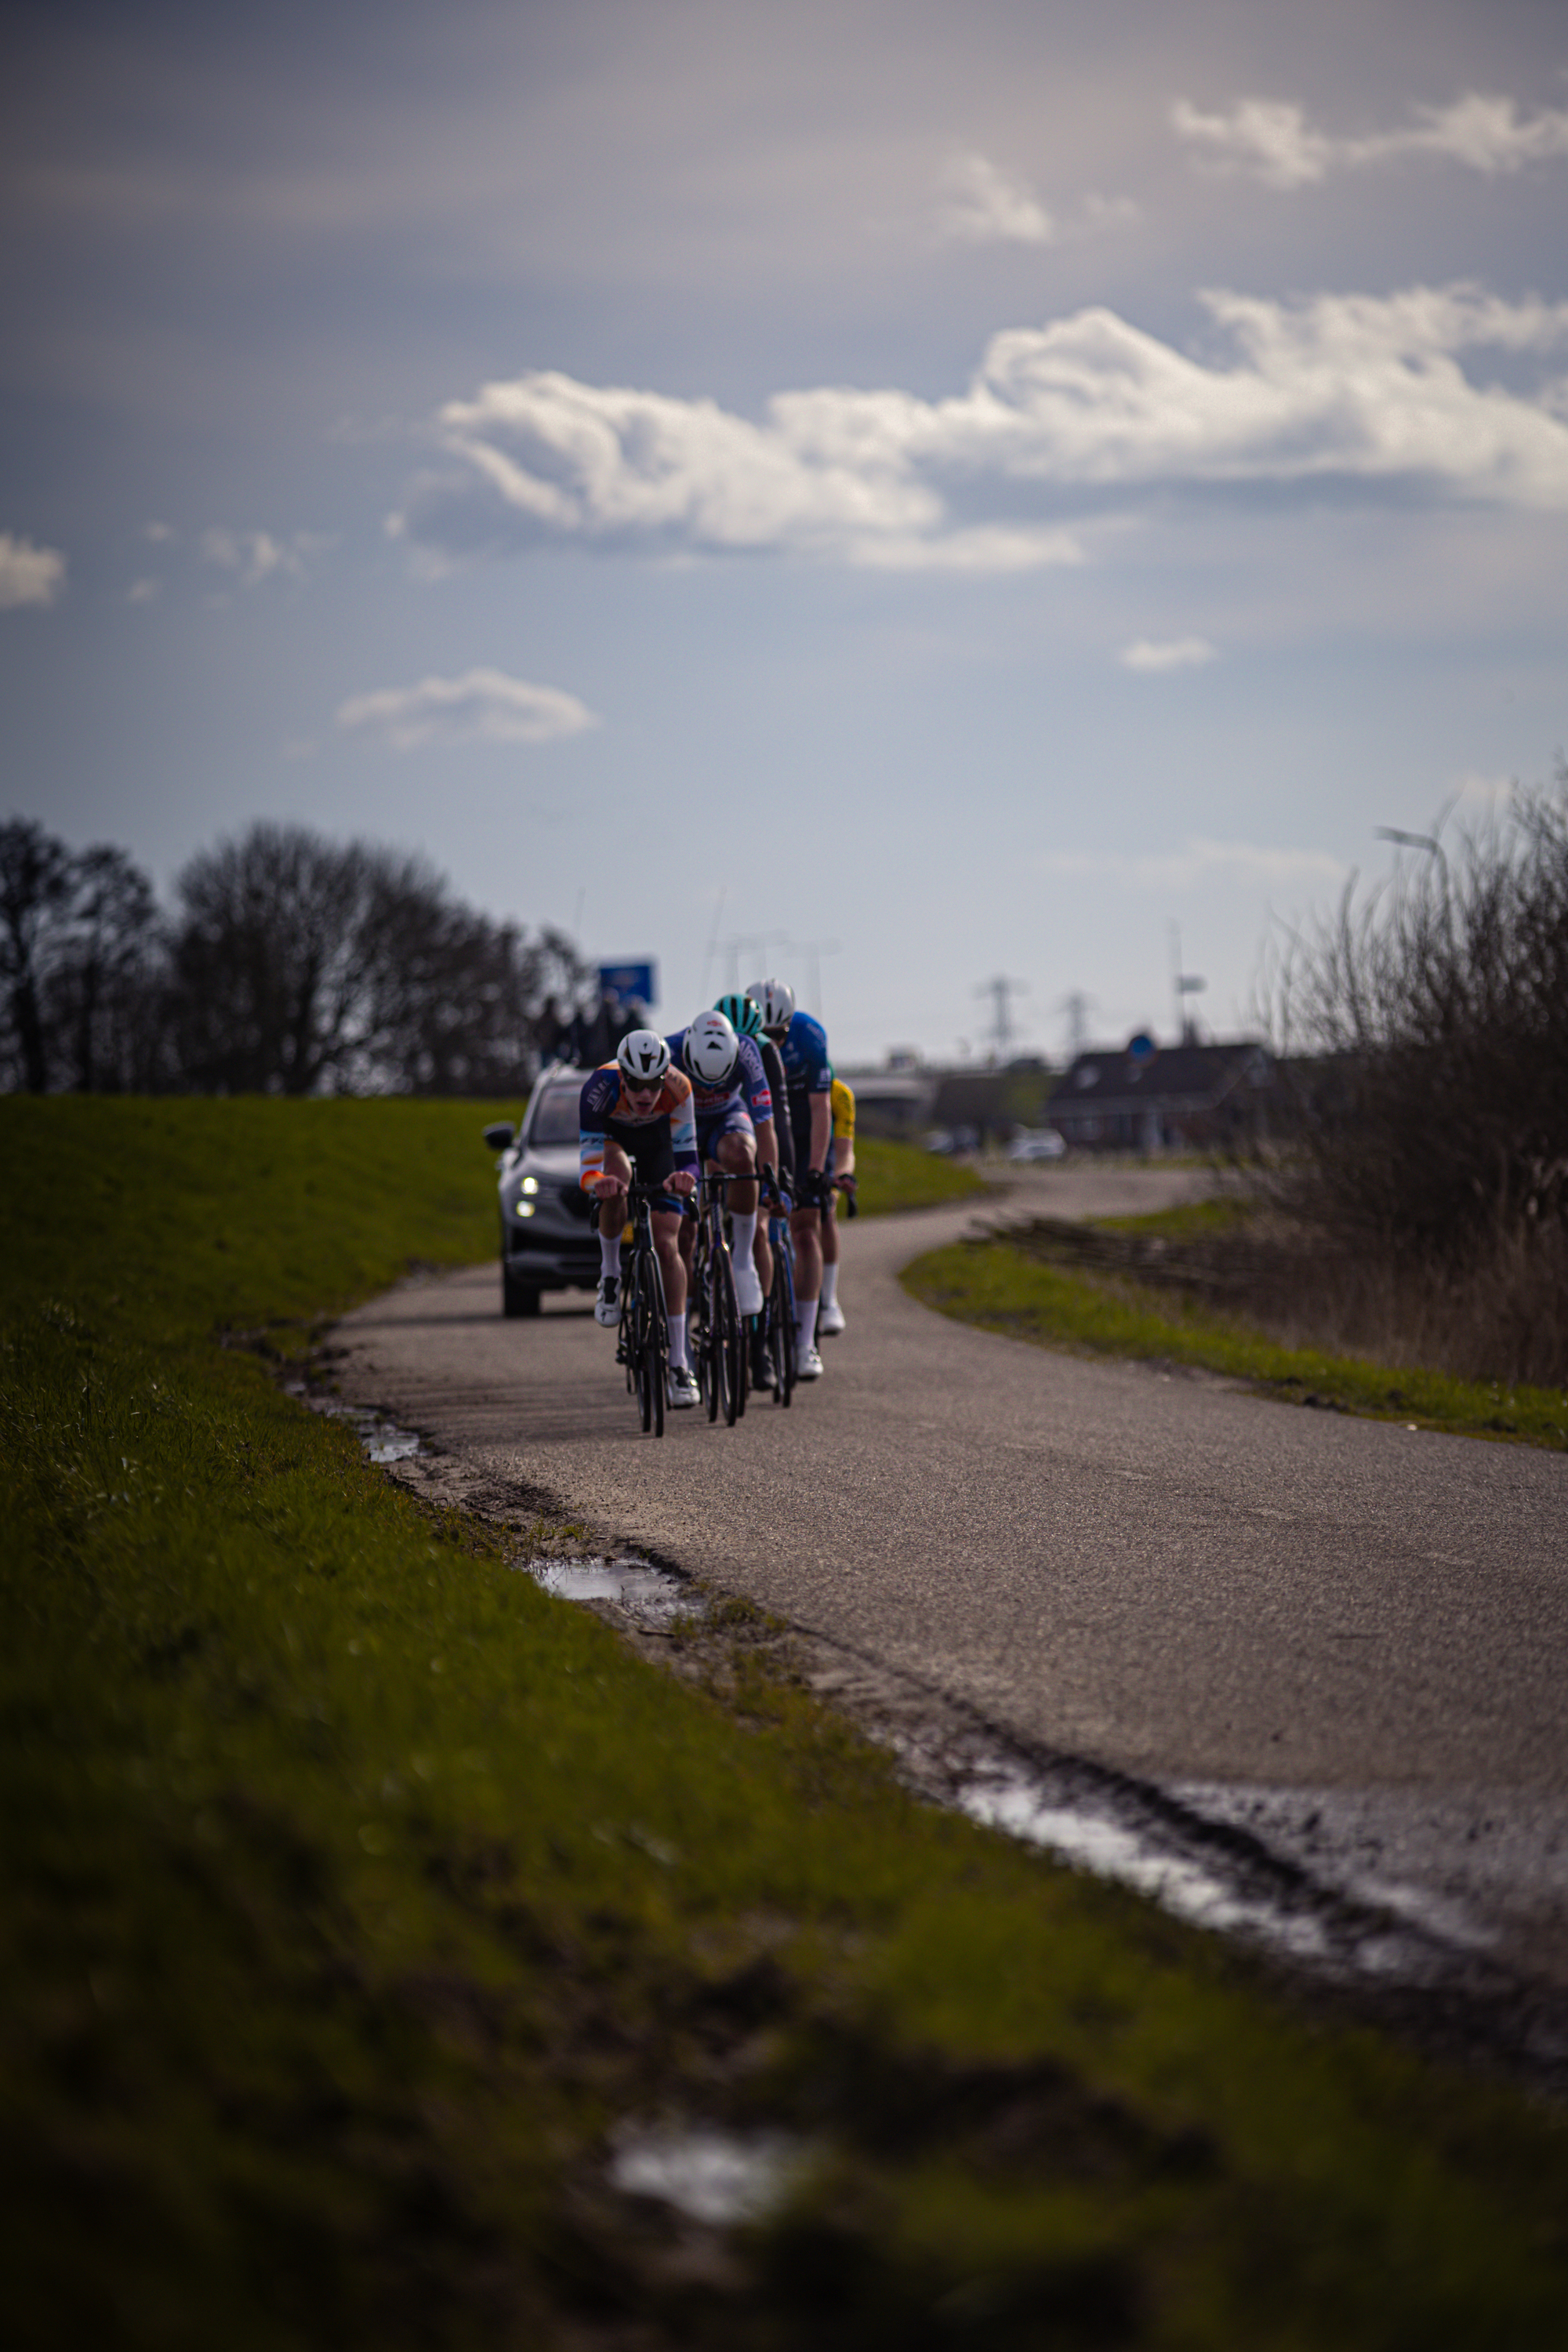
x=1166, y=1078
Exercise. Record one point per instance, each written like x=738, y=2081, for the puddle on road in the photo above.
x=1008, y=1801
x=1205, y=1864
x=713, y=2176
x=384, y=1439
x=652, y=1595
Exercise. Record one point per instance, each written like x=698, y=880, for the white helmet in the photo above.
x=643, y=1056
x=712, y=1049
x=776, y=1000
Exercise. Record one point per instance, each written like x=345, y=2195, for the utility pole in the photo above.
x=1076, y=1007
x=1000, y=989
x=758, y=940
x=1183, y=985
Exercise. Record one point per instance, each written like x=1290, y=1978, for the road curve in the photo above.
x=1350, y=1635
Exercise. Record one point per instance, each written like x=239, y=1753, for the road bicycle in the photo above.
x=643, y=1343
x=717, y=1338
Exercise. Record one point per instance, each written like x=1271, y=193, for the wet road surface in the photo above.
x=1346, y=1636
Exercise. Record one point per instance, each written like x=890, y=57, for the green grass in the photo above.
x=1008, y=1289
x=352, y=1890
x=893, y=1176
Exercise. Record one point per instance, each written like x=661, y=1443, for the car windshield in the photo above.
x=555, y=1120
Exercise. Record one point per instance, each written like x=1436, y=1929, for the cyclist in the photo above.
x=829, y=1314
x=734, y=1111
x=808, y=1089
x=635, y=1113
x=775, y=1153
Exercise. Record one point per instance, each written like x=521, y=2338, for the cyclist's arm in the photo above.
x=821, y=1129
x=595, y=1105
x=683, y=1140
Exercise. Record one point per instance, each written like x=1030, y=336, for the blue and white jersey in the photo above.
x=748, y=1082
x=803, y=1053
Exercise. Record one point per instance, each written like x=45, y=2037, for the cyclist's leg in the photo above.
x=611, y=1220
x=828, y=1318
x=738, y=1158
x=667, y=1242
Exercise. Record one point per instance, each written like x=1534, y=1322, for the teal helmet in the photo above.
x=744, y=1013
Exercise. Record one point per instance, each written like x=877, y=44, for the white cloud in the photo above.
x=29, y=574
x=1273, y=141
x=483, y=706
x=254, y=555
x=1199, y=861
x=985, y=205
x=145, y=591
x=1156, y=653
x=1086, y=410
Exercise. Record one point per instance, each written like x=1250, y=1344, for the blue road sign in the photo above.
x=625, y=980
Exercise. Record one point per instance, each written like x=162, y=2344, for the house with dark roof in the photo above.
x=1152, y=1098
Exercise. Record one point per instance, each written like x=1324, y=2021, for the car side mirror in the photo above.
x=498, y=1137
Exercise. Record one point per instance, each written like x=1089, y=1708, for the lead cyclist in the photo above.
x=636, y=1112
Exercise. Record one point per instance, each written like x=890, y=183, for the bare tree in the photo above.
x=267, y=966
x=105, y=983
x=35, y=884
x=302, y=965
x=1441, y=1008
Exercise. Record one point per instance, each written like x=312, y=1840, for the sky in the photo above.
x=895, y=494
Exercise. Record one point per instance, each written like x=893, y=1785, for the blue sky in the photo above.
x=967, y=486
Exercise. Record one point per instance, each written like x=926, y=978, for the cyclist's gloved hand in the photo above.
x=605, y=1187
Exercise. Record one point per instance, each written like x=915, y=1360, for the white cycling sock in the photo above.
x=805, y=1323
x=743, y=1238
x=829, y=1284
x=609, y=1250
x=678, y=1342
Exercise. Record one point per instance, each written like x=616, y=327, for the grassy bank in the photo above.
x=1032, y=1290
x=894, y=1176
x=354, y=1892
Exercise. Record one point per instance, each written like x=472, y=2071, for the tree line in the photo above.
x=288, y=963
x=1439, y=1009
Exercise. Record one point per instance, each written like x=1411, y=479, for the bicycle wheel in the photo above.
x=782, y=1302
x=727, y=1363
x=641, y=1348
x=656, y=1350
x=698, y=1321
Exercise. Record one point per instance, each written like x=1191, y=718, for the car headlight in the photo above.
x=531, y=1183
x=525, y=1208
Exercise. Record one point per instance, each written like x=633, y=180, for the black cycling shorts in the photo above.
x=650, y=1149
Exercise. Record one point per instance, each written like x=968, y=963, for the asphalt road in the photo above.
x=1350, y=1635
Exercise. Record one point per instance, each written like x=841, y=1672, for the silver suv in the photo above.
x=547, y=1236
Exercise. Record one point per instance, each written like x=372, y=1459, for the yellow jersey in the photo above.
x=842, y=1111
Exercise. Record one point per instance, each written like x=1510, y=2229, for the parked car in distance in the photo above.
x=1037, y=1143
x=547, y=1236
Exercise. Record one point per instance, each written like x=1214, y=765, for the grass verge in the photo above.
x=895, y=1176
x=355, y=1893
x=1013, y=1289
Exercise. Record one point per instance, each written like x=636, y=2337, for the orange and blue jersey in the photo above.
x=603, y=1111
